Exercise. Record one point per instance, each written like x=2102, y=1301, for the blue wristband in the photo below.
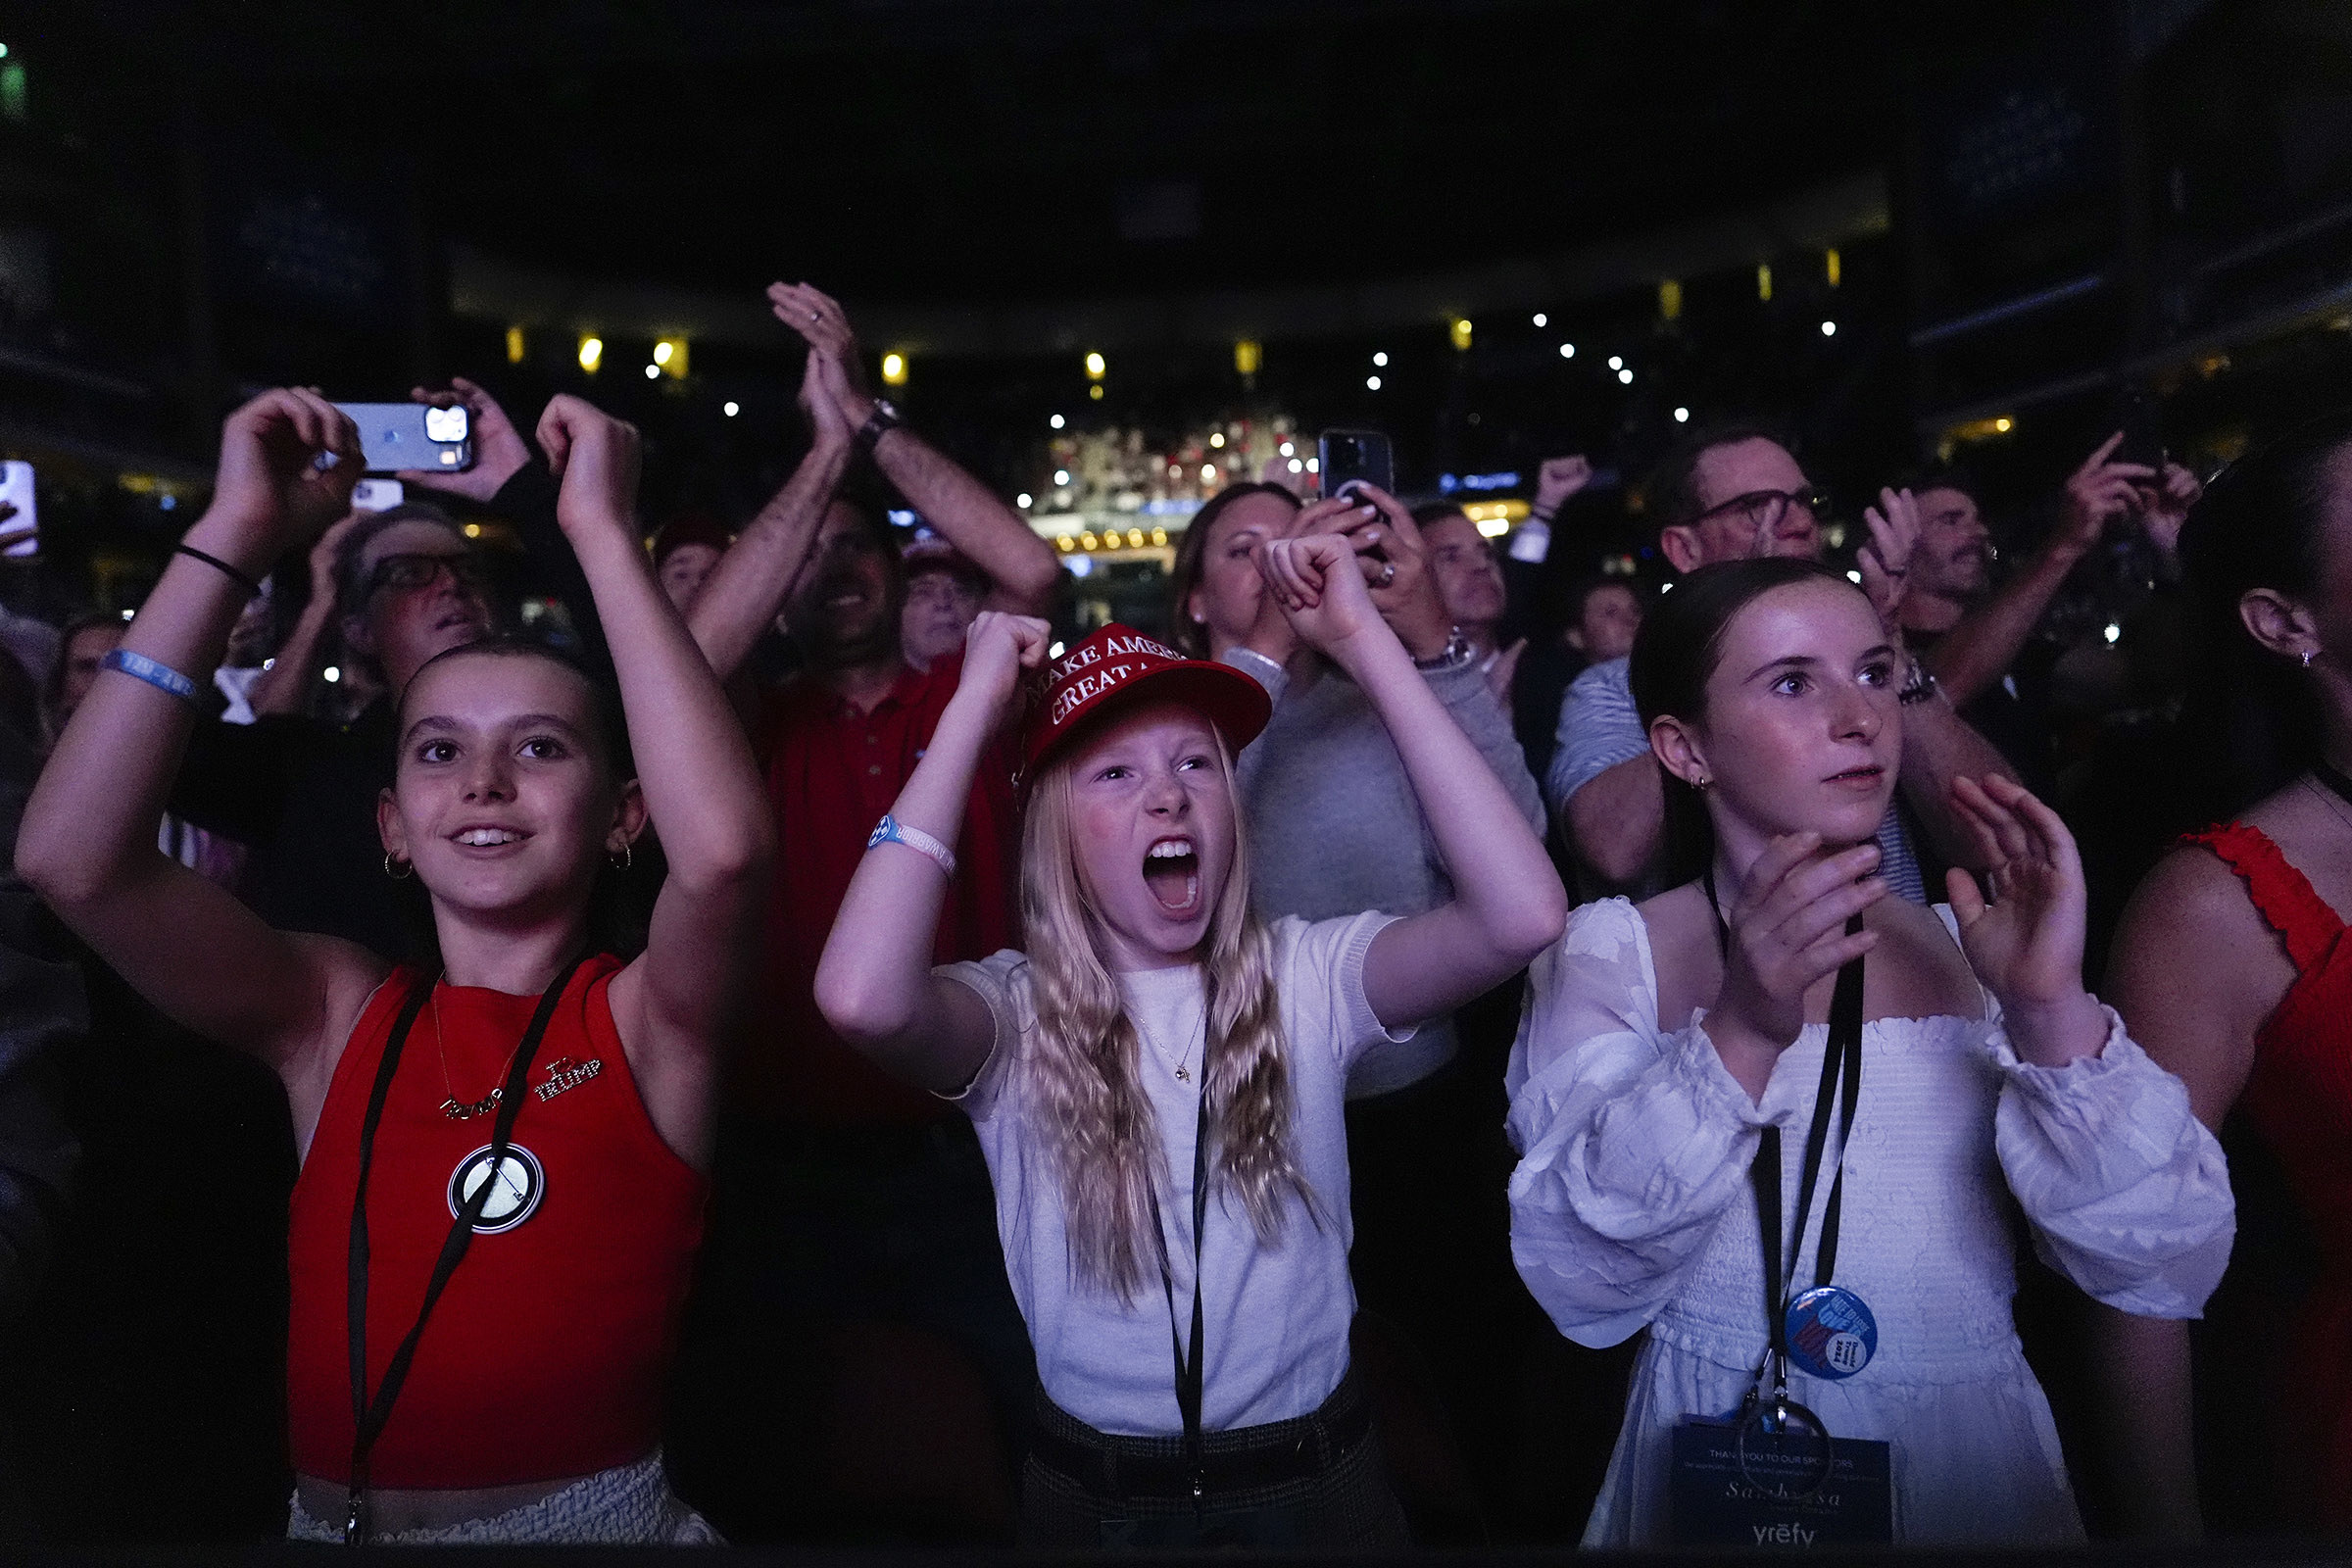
x=163, y=677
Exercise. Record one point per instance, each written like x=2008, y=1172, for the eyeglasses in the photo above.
x=1763, y=509
x=411, y=572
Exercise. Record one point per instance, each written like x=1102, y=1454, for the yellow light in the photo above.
x=894, y=368
x=1216, y=438
x=1088, y=541
x=1981, y=429
x=1065, y=542
x=1670, y=300
x=473, y=530
x=1159, y=536
x=1208, y=473
x=1836, y=266
x=516, y=346
x=1094, y=392
x=592, y=354
x=1459, y=330
x=1764, y=281
x=2001, y=425
x=1494, y=529
x=1246, y=356
x=1135, y=538
x=662, y=353
x=1503, y=513
x=1095, y=366
x=669, y=354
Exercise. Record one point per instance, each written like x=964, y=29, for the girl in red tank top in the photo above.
x=2230, y=964
x=503, y=1178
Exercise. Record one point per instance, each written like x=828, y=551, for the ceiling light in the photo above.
x=1542, y=320
x=1567, y=351
x=1095, y=366
x=1380, y=360
x=1216, y=438
x=894, y=368
x=1372, y=381
x=1627, y=376
x=1829, y=329
x=1208, y=473
x=1056, y=421
x=1025, y=501
x=1295, y=465
x=1061, y=477
x=652, y=373
x=662, y=352
x=1616, y=362
x=1682, y=415
x=592, y=354
x=730, y=408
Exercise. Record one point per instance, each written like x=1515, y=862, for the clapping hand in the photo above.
x=2025, y=945
x=821, y=321
x=1787, y=930
x=499, y=449
x=1885, y=561
x=594, y=457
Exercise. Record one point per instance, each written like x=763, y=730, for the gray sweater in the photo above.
x=1335, y=827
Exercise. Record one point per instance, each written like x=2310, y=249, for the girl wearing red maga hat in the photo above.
x=1157, y=1081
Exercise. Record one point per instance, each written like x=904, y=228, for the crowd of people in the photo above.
x=1277, y=1078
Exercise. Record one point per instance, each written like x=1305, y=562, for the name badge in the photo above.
x=1790, y=1491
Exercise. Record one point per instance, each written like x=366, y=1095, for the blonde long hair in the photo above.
x=1092, y=1107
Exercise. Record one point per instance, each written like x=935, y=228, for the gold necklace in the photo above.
x=451, y=1107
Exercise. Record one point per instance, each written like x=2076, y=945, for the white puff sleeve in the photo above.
x=2128, y=1192
x=1633, y=1141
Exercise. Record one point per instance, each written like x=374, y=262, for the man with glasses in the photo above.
x=1725, y=493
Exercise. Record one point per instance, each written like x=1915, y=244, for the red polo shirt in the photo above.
x=832, y=773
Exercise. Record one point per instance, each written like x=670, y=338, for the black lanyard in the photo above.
x=1841, y=1063
x=1189, y=1365
x=369, y=1415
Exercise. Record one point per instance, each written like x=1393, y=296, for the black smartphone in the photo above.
x=2138, y=415
x=395, y=436
x=1354, y=456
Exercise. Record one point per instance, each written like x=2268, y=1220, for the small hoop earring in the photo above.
x=398, y=870
x=622, y=861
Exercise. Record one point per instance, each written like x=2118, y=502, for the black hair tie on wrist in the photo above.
x=215, y=563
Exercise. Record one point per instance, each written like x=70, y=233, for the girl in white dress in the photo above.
x=1660, y=1041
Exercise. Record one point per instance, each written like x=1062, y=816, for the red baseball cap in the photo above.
x=1119, y=665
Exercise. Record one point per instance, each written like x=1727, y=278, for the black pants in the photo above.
x=1341, y=1497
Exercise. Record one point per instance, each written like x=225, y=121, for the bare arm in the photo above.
x=874, y=982
x=285, y=686
x=1020, y=566
x=87, y=842
x=701, y=790
x=753, y=578
x=2193, y=971
x=1979, y=651
x=1616, y=822
x=1507, y=902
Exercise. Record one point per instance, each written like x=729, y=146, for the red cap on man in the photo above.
x=1118, y=666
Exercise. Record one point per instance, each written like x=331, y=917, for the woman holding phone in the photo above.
x=502, y=1182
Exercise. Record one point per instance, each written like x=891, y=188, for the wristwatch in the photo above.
x=884, y=420
x=1457, y=652
x=1918, y=687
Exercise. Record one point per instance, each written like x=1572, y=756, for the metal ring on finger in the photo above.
x=1388, y=572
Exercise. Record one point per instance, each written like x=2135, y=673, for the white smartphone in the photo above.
x=376, y=495
x=15, y=488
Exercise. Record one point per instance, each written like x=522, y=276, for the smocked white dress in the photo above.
x=1632, y=1206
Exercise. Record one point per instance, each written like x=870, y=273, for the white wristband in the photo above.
x=889, y=830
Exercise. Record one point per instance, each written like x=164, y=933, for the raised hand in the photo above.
x=998, y=648
x=1787, y=930
x=269, y=480
x=828, y=424
x=323, y=557
x=1886, y=561
x=1559, y=479
x=1404, y=589
x=499, y=449
x=820, y=319
x=2099, y=490
x=2167, y=508
x=594, y=457
x=2026, y=944
x=1319, y=583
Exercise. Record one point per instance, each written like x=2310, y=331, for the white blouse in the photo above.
x=1630, y=1207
